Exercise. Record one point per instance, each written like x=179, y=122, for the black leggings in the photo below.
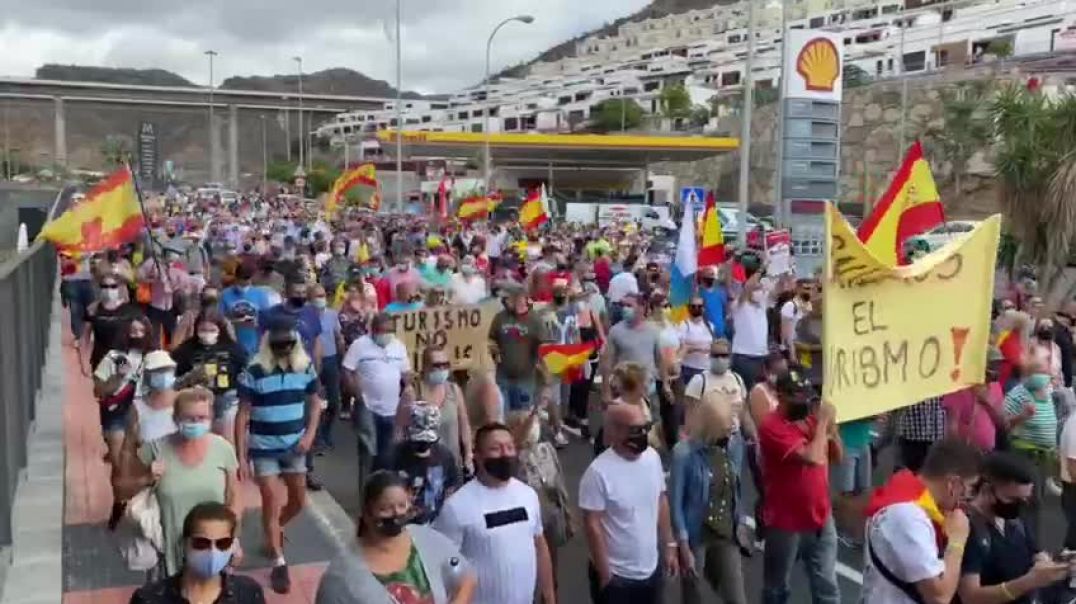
x=579, y=392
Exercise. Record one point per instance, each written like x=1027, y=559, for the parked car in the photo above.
x=941, y=234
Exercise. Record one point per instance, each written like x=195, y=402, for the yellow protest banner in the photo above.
x=894, y=336
x=462, y=331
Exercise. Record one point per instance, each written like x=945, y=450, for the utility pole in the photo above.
x=265, y=158
x=399, y=113
x=745, y=127
x=302, y=137
x=213, y=174
x=783, y=218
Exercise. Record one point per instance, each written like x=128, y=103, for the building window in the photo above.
x=392, y=122
x=915, y=61
x=731, y=78
x=878, y=67
x=476, y=127
x=889, y=66
x=651, y=86
x=564, y=100
x=511, y=124
x=529, y=122
x=426, y=119
x=582, y=96
x=461, y=115
x=817, y=22
x=889, y=9
x=476, y=113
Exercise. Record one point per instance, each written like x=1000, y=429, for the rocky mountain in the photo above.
x=110, y=75
x=330, y=81
x=656, y=8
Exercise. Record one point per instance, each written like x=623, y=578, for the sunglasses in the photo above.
x=695, y=307
x=719, y=355
x=445, y=365
x=203, y=543
x=110, y=286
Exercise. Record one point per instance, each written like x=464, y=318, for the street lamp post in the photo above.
x=745, y=128
x=487, y=163
x=213, y=176
x=265, y=158
x=399, y=113
x=302, y=139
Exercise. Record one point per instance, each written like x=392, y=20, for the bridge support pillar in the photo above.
x=59, y=155
x=233, y=146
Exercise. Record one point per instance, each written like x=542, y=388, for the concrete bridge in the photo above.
x=58, y=123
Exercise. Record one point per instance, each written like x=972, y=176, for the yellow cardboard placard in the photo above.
x=894, y=336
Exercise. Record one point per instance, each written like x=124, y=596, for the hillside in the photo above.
x=330, y=81
x=657, y=8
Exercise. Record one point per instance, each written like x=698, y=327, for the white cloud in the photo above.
x=444, y=40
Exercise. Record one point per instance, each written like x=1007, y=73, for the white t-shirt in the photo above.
x=696, y=335
x=466, y=291
x=495, y=531
x=1067, y=449
x=727, y=389
x=627, y=493
x=495, y=245
x=903, y=539
x=380, y=370
x=752, y=327
x=621, y=285
x=791, y=311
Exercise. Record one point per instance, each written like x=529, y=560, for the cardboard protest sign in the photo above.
x=462, y=331
x=894, y=336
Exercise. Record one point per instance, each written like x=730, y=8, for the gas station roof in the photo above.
x=561, y=150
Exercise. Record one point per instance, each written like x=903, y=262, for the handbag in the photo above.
x=141, y=536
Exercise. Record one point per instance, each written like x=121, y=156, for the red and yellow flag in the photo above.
x=364, y=180
x=911, y=205
x=475, y=207
x=533, y=214
x=906, y=487
x=712, y=250
x=109, y=216
x=566, y=360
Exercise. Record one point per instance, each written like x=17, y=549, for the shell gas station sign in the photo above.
x=815, y=65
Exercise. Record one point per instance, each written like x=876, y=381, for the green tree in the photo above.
x=1035, y=162
x=966, y=128
x=116, y=150
x=700, y=116
x=1001, y=49
x=675, y=102
x=855, y=76
x=281, y=171
x=320, y=178
x=612, y=115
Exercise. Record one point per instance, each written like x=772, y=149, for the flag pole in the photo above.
x=153, y=243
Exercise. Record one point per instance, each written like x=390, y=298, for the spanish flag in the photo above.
x=566, y=360
x=109, y=216
x=911, y=205
x=712, y=250
x=364, y=180
x=475, y=207
x=1012, y=353
x=533, y=214
x=906, y=487
x=493, y=201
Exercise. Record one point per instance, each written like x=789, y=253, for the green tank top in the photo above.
x=408, y=585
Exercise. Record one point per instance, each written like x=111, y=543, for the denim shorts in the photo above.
x=853, y=474
x=290, y=463
x=518, y=395
x=225, y=406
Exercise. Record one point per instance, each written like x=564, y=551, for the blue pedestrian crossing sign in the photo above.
x=696, y=196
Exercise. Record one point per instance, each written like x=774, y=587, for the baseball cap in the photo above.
x=425, y=421
x=794, y=384
x=281, y=329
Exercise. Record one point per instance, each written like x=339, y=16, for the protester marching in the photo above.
x=730, y=408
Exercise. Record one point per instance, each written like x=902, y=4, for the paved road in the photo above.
x=338, y=470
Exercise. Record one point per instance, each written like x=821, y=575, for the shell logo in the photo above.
x=819, y=64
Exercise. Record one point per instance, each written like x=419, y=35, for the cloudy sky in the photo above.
x=444, y=40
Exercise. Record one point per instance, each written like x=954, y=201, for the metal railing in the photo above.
x=27, y=287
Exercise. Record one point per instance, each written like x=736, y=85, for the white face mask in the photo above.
x=208, y=338
x=111, y=295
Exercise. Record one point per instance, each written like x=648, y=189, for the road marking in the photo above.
x=843, y=569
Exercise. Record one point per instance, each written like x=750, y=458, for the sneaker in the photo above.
x=1053, y=487
x=584, y=429
x=848, y=542
x=313, y=484
x=559, y=440
x=280, y=580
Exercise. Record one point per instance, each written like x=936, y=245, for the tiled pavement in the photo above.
x=94, y=573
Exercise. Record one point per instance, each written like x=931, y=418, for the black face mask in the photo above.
x=281, y=349
x=805, y=297
x=1045, y=334
x=708, y=282
x=297, y=301
x=139, y=343
x=720, y=443
x=210, y=302
x=637, y=442
x=501, y=468
x=558, y=300
x=421, y=448
x=798, y=411
x=694, y=311
x=391, y=526
x=1007, y=510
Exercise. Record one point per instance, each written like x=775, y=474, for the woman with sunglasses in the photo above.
x=208, y=545
x=191, y=466
x=106, y=318
x=436, y=388
x=395, y=561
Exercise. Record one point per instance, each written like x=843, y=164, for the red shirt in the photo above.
x=603, y=273
x=384, y=292
x=797, y=493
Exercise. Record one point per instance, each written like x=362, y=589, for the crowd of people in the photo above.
x=232, y=341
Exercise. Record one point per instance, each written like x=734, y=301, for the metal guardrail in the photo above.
x=27, y=287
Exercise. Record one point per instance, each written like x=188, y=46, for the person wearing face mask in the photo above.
x=791, y=312
x=750, y=328
x=403, y=271
x=636, y=340
x=207, y=299
x=186, y=468
x=436, y=389
x=279, y=411
x=336, y=268
x=394, y=561
x=428, y=467
x=514, y=337
x=725, y=388
x=378, y=367
x=332, y=347
x=1002, y=562
x=105, y=318
x=213, y=359
x=703, y=505
x=297, y=310
x=917, y=531
x=209, y=543
x=242, y=302
x=440, y=273
x=496, y=521
x=468, y=287
x=408, y=298
x=623, y=533
x=715, y=299
x=1045, y=351
x=166, y=280
x=1032, y=422
x=696, y=336
x=798, y=441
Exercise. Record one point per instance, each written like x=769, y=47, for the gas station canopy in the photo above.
x=560, y=150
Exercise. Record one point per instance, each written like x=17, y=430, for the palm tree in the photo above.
x=1035, y=144
x=966, y=129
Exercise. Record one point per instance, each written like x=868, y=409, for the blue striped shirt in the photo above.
x=277, y=408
